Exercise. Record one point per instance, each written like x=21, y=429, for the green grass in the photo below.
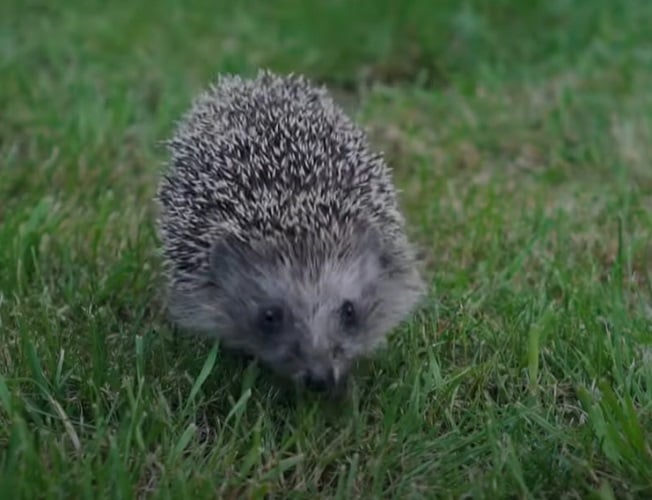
x=520, y=134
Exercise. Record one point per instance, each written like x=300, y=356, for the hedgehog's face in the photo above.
x=308, y=324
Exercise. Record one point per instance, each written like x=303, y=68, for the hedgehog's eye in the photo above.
x=270, y=319
x=348, y=315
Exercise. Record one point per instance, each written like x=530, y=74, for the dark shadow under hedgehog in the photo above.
x=281, y=230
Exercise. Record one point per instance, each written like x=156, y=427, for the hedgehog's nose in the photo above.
x=319, y=381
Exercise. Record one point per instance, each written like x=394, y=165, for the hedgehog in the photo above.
x=281, y=231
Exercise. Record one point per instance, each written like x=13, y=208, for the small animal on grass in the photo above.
x=281, y=231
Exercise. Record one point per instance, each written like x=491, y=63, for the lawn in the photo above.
x=520, y=136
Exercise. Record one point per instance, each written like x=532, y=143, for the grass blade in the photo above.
x=209, y=363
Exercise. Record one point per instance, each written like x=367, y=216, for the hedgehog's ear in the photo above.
x=228, y=261
x=371, y=244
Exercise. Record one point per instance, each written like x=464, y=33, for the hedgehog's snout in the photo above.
x=321, y=371
x=319, y=380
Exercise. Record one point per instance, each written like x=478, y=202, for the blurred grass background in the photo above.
x=519, y=133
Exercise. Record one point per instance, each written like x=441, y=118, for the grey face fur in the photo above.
x=308, y=322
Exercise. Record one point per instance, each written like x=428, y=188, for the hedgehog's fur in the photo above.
x=281, y=230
